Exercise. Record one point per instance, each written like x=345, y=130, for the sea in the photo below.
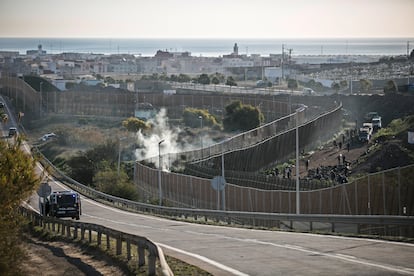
x=214, y=47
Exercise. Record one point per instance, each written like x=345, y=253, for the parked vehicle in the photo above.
x=12, y=131
x=368, y=117
x=369, y=127
x=377, y=123
x=47, y=136
x=61, y=204
x=364, y=135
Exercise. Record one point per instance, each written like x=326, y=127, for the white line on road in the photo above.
x=204, y=259
x=347, y=258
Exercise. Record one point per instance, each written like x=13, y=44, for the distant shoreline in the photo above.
x=147, y=47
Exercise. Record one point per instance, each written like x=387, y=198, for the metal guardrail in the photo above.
x=355, y=224
x=75, y=230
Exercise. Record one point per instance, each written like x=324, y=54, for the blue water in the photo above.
x=212, y=47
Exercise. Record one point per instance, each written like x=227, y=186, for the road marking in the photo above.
x=204, y=259
x=346, y=258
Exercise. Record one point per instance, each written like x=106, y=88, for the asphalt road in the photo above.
x=234, y=251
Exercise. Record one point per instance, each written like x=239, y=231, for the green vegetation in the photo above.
x=97, y=168
x=133, y=124
x=397, y=127
x=230, y=81
x=242, y=117
x=110, y=182
x=390, y=87
x=17, y=181
x=192, y=117
x=293, y=84
x=366, y=85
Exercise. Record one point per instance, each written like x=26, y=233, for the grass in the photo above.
x=130, y=267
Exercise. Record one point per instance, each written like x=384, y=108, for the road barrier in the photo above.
x=379, y=225
x=147, y=251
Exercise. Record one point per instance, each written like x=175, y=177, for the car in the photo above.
x=12, y=131
x=368, y=117
x=47, y=136
x=377, y=123
x=1, y=105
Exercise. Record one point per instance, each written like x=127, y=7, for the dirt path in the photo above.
x=59, y=258
x=328, y=156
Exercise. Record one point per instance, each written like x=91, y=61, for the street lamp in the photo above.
x=201, y=137
x=159, y=171
x=119, y=153
x=300, y=109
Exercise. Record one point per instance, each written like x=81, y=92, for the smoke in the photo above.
x=175, y=140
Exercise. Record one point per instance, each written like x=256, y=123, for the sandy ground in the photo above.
x=59, y=258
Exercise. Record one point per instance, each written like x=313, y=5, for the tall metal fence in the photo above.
x=385, y=193
x=25, y=98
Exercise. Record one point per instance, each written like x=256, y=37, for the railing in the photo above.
x=147, y=251
x=355, y=224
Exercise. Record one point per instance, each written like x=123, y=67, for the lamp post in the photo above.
x=119, y=153
x=159, y=171
x=300, y=109
x=201, y=137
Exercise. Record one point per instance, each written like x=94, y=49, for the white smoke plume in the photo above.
x=173, y=140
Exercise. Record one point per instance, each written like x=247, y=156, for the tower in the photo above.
x=235, y=49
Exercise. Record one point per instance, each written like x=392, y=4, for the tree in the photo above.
x=203, y=79
x=242, y=117
x=293, y=84
x=230, y=81
x=390, y=87
x=215, y=80
x=192, y=117
x=108, y=181
x=18, y=181
x=133, y=124
x=183, y=78
x=365, y=84
x=335, y=86
x=83, y=166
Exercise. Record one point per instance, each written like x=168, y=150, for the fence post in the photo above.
x=141, y=253
x=399, y=191
x=128, y=249
x=152, y=260
x=118, y=245
x=99, y=238
x=68, y=234
x=383, y=195
x=108, y=244
x=369, y=196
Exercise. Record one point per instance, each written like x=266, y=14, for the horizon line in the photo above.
x=206, y=38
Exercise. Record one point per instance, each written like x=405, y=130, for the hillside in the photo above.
x=389, y=148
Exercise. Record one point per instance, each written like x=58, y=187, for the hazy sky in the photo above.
x=207, y=18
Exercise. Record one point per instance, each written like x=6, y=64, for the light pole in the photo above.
x=201, y=137
x=119, y=153
x=159, y=171
x=300, y=109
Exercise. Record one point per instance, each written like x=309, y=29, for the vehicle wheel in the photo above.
x=77, y=218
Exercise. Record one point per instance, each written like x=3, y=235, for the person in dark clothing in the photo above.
x=348, y=146
x=343, y=159
x=307, y=164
